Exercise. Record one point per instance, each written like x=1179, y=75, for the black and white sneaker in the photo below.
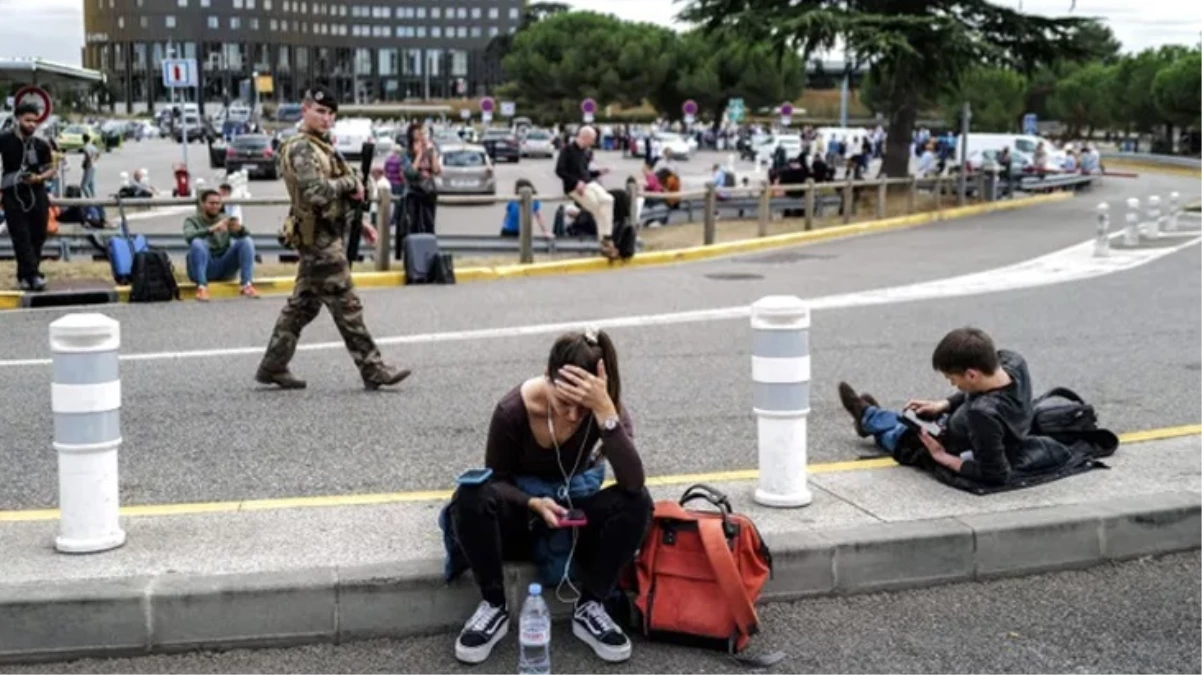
x=593, y=626
x=481, y=632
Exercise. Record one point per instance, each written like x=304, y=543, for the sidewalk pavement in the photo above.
x=302, y=575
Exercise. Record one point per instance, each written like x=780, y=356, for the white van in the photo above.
x=1023, y=145
x=349, y=135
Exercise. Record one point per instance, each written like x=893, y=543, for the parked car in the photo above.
x=674, y=142
x=466, y=169
x=71, y=138
x=252, y=152
x=502, y=145
x=538, y=143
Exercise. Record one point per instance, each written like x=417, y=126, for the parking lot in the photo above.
x=160, y=156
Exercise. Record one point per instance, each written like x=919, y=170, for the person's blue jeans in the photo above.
x=885, y=426
x=87, y=184
x=239, y=257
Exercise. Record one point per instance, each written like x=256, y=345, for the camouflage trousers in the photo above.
x=323, y=278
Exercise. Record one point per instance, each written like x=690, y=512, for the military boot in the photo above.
x=384, y=377
x=283, y=378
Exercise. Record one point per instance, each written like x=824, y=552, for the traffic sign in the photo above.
x=735, y=110
x=487, y=105
x=588, y=106
x=689, y=107
x=786, y=112
x=179, y=73
x=38, y=97
x=1031, y=124
x=508, y=109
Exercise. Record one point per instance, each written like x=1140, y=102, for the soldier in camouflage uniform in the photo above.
x=322, y=187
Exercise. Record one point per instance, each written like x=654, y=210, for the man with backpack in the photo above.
x=987, y=421
x=323, y=189
x=980, y=438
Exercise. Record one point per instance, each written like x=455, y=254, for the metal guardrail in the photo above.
x=1048, y=182
x=79, y=245
x=1149, y=158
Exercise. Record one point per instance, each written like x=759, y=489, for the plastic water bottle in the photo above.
x=534, y=639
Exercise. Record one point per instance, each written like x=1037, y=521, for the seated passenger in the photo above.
x=219, y=247
x=511, y=227
x=540, y=450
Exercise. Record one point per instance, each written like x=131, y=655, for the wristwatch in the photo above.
x=609, y=423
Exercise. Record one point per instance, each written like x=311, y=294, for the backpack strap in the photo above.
x=727, y=575
x=1061, y=392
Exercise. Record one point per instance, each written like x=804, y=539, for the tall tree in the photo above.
x=499, y=46
x=917, y=49
x=996, y=98
x=713, y=68
x=557, y=61
x=1085, y=100
x=1177, y=91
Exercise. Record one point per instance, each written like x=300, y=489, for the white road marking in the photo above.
x=1074, y=263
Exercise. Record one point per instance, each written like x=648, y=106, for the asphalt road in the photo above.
x=1139, y=616
x=199, y=429
x=160, y=156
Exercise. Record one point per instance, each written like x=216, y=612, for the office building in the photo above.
x=386, y=50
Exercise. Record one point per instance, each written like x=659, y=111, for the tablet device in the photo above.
x=912, y=420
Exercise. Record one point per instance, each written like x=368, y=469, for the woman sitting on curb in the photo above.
x=540, y=451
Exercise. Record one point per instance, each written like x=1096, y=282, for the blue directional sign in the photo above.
x=1030, y=124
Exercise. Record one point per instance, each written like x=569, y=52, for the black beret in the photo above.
x=323, y=96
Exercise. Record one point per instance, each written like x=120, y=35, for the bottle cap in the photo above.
x=536, y=589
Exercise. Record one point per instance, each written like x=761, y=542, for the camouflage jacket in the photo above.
x=319, y=183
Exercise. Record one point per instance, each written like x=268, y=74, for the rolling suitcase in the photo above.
x=420, y=251
x=123, y=248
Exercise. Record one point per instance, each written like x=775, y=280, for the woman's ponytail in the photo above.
x=610, y=356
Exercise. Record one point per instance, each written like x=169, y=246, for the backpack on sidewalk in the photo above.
x=699, y=574
x=1061, y=410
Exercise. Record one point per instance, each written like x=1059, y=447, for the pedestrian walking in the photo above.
x=322, y=188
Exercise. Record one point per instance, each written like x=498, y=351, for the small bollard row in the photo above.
x=1155, y=221
x=86, y=400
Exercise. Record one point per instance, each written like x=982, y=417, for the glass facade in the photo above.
x=380, y=51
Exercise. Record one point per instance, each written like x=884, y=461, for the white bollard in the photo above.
x=1153, y=226
x=1174, y=212
x=780, y=372
x=86, y=400
x=1131, y=232
x=1101, y=242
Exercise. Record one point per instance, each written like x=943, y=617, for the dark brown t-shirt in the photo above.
x=513, y=451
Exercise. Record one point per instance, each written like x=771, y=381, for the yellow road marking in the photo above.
x=441, y=495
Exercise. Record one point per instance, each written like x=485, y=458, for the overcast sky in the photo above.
x=58, y=24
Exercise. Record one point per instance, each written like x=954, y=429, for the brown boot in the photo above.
x=855, y=405
x=385, y=377
x=283, y=379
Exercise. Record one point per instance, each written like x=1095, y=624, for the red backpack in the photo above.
x=699, y=574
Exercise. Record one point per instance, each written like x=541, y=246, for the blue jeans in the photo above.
x=885, y=426
x=203, y=265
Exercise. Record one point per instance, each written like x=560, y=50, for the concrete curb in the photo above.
x=284, y=285
x=169, y=612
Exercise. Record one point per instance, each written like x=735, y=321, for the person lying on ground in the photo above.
x=984, y=425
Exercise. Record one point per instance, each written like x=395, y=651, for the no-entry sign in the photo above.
x=38, y=97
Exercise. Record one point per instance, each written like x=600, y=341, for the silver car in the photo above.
x=538, y=143
x=466, y=170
